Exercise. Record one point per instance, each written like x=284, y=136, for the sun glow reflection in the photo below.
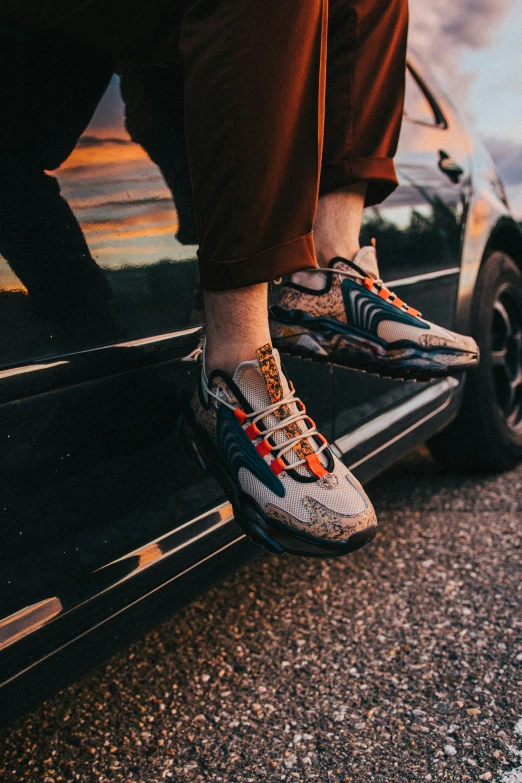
x=118, y=195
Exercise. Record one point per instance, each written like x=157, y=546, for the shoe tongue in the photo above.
x=366, y=260
x=262, y=381
x=313, y=279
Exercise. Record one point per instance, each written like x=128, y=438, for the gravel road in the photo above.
x=402, y=662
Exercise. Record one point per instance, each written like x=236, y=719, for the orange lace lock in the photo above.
x=253, y=432
x=384, y=293
x=413, y=311
x=398, y=303
x=277, y=465
x=368, y=283
x=264, y=448
x=240, y=415
x=314, y=464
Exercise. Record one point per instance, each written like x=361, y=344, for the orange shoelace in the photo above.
x=370, y=284
x=249, y=423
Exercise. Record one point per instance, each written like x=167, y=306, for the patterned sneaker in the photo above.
x=345, y=315
x=288, y=491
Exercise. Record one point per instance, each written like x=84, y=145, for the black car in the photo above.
x=107, y=526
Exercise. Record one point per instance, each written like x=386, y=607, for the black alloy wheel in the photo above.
x=506, y=356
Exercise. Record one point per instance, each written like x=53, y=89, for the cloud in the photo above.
x=508, y=158
x=97, y=141
x=442, y=30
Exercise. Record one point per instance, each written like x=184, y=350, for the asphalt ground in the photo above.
x=402, y=662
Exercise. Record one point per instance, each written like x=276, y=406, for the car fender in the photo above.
x=488, y=217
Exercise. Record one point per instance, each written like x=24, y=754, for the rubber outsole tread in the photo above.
x=381, y=369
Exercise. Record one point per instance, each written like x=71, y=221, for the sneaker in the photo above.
x=345, y=315
x=289, y=492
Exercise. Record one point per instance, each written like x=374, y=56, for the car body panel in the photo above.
x=106, y=525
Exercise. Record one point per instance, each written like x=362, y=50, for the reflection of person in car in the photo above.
x=275, y=118
x=43, y=114
x=48, y=98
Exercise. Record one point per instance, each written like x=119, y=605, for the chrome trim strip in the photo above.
x=55, y=361
x=27, y=620
x=161, y=548
x=157, y=338
x=420, y=278
x=29, y=368
x=405, y=432
x=148, y=558
x=31, y=618
x=381, y=423
x=124, y=609
x=223, y=513
x=146, y=561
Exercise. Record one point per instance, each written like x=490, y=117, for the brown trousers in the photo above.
x=281, y=104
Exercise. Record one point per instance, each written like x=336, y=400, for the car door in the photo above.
x=419, y=231
x=98, y=305
x=420, y=228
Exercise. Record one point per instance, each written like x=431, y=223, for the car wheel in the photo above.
x=487, y=433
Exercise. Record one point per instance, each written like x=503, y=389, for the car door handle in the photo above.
x=450, y=167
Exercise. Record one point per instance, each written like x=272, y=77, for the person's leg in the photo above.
x=365, y=80
x=342, y=313
x=338, y=223
x=254, y=86
x=236, y=324
x=254, y=95
x=48, y=96
x=254, y=90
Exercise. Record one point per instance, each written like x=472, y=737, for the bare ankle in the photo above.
x=229, y=356
x=338, y=223
x=236, y=325
x=340, y=249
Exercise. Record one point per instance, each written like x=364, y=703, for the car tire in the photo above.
x=486, y=435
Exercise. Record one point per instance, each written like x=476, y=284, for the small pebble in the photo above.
x=291, y=761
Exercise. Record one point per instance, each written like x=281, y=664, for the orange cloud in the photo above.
x=108, y=152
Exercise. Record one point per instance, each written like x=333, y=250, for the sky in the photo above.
x=474, y=46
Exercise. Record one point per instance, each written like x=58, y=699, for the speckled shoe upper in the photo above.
x=346, y=313
x=273, y=450
x=351, y=292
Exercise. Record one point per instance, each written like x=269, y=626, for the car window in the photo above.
x=417, y=106
x=97, y=233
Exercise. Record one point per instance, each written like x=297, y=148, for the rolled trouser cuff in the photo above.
x=379, y=174
x=285, y=259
